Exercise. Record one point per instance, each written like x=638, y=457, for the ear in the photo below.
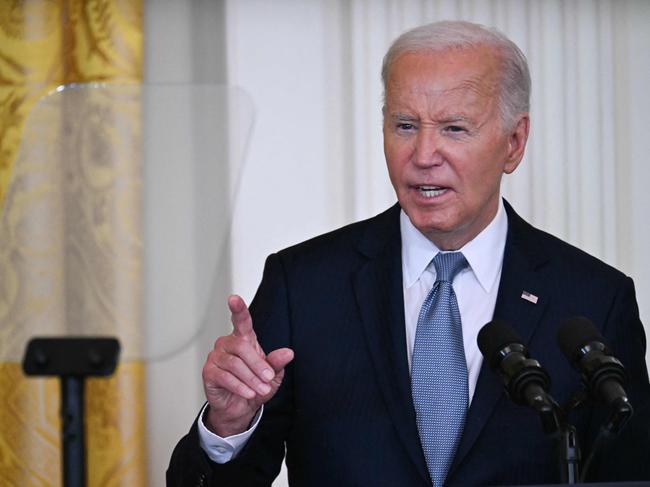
x=517, y=139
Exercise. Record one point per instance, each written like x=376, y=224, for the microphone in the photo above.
x=527, y=383
x=602, y=373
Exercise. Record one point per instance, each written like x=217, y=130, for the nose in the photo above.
x=427, y=148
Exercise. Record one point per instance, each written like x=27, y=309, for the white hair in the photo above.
x=514, y=86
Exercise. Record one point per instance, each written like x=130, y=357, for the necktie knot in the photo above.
x=448, y=265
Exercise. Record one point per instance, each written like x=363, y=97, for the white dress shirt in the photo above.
x=476, y=290
x=476, y=286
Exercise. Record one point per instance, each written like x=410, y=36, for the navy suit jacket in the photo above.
x=344, y=411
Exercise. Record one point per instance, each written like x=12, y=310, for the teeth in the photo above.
x=431, y=191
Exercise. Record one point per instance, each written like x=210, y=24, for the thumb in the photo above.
x=280, y=358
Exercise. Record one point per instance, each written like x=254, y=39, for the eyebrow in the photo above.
x=403, y=117
x=455, y=118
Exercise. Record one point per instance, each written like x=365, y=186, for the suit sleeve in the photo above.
x=259, y=462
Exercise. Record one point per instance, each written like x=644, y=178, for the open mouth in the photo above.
x=431, y=191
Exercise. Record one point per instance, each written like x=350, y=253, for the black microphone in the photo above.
x=527, y=383
x=602, y=373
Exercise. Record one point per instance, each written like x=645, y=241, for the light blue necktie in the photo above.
x=439, y=370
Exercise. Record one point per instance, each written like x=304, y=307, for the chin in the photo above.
x=429, y=226
x=443, y=230
x=430, y=219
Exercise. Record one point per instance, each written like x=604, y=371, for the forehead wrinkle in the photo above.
x=440, y=113
x=482, y=96
x=481, y=85
x=467, y=99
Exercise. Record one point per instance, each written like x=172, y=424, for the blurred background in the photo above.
x=293, y=147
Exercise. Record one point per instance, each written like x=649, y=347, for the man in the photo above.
x=342, y=348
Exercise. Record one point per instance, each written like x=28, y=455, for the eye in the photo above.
x=405, y=126
x=456, y=129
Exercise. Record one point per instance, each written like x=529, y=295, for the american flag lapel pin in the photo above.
x=529, y=297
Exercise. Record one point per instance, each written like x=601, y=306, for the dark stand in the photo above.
x=569, y=455
x=554, y=425
x=72, y=360
x=571, y=470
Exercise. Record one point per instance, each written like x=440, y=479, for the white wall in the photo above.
x=315, y=160
x=183, y=45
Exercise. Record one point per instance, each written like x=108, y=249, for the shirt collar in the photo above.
x=484, y=253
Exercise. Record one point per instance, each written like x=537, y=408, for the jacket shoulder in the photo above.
x=543, y=247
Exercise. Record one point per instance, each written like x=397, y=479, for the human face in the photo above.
x=445, y=144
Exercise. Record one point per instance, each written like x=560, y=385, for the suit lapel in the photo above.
x=521, y=262
x=378, y=291
x=380, y=302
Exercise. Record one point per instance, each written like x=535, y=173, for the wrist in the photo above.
x=224, y=427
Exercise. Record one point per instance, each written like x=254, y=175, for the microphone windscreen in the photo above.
x=574, y=334
x=493, y=337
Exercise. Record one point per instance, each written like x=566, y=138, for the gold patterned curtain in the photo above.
x=44, y=44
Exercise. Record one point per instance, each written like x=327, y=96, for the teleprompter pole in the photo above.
x=72, y=431
x=72, y=359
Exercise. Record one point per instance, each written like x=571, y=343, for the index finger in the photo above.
x=240, y=317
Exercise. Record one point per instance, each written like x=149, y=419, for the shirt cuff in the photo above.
x=222, y=450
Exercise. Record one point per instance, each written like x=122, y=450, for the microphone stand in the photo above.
x=569, y=450
x=620, y=414
x=555, y=426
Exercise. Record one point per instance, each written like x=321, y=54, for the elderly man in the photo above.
x=359, y=353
